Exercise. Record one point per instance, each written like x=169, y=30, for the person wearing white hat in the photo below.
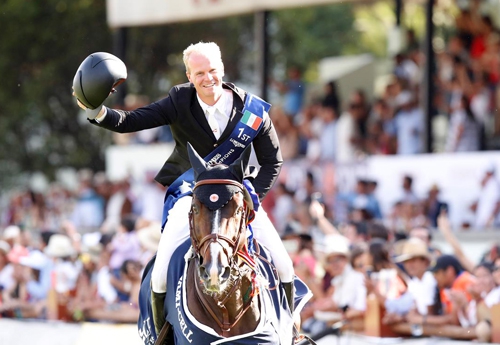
x=41, y=267
x=61, y=251
x=11, y=235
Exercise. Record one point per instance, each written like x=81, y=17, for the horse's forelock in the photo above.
x=216, y=196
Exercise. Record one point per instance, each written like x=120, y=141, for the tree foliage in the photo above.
x=43, y=43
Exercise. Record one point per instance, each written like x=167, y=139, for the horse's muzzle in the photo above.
x=213, y=276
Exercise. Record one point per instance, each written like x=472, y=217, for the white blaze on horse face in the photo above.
x=215, y=252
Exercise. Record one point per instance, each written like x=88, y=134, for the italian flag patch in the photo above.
x=251, y=120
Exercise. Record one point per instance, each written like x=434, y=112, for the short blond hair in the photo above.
x=208, y=49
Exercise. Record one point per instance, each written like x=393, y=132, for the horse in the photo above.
x=221, y=288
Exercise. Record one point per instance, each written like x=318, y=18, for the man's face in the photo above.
x=444, y=278
x=206, y=75
x=416, y=267
x=335, y=264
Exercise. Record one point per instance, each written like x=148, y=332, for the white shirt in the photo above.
x=346, y=129
x=350, y=289
x=409, y=127
x=423, y=291
x=104, y=287
x=6, y=279
x=221, y=110
x=490, y=194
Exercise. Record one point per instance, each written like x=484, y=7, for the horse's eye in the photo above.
x=239, y=210
x=195, y=209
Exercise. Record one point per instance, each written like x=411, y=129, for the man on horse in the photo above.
x=220, y=120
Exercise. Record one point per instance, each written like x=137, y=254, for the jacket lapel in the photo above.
x=236, y=113
x=200, y=116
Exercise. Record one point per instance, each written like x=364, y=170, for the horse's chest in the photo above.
x=189, y=330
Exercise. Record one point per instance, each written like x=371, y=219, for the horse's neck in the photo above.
x=234, y=304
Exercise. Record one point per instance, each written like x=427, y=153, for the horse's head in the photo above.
x=218, y=219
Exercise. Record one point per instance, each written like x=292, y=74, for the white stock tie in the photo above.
x=212, y=121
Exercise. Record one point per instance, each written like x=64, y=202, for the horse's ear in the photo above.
x=239, y=167
x=198, y=163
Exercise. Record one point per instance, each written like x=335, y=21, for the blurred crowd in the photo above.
x=78, y=254
x=353, y=266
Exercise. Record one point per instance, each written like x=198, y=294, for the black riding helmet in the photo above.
x=96, y=77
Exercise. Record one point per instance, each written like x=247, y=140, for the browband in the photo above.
x=218, y=181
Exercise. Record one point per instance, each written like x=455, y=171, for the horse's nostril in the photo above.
x=203, y=273
x=226, y=273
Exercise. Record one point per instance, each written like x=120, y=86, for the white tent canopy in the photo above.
x=121, y=13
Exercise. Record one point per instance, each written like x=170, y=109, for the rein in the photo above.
x=225, y=325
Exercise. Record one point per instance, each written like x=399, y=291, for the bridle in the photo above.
x=239, y=251
x=216, y=237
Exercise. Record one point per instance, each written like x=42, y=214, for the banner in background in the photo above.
x=122, y=13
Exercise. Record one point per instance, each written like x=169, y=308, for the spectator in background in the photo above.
x=409, y=124
x=480, y=104
x=86, y=296
x=125, y=244
x=149, y=203
x=384, y=114
x=288, y=133
x=6, y=269
x=149, y=237
x=485, y=32
x=487, y=207
x=293, y=91
x=419, y=297
x=359, y=258
x=408, y=195
x=464, y=131
x=65, y=270
x=284, y=207
x=433, y=206
x=119, y=204
x=328, y=135
x=425, y=235
x=348, y=298
x=348, y=135
x=406, y=69
x=88, y=213
x=27, y=298
x=304, y=260
x=385, y=280
x=483, y=296
x=12, y=235
x=356, y=233
x=362, y=199
x=331, y=98
x=15, y=295
x=358, y=97
x=453, y=283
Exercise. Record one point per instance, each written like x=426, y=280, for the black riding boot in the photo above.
x=289, y=293
x=157, y=306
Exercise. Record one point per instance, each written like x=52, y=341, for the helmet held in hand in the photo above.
x=97, y=77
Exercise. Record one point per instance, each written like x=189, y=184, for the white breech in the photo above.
x=176, y=231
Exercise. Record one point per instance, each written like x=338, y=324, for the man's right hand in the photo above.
x=91, y=113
